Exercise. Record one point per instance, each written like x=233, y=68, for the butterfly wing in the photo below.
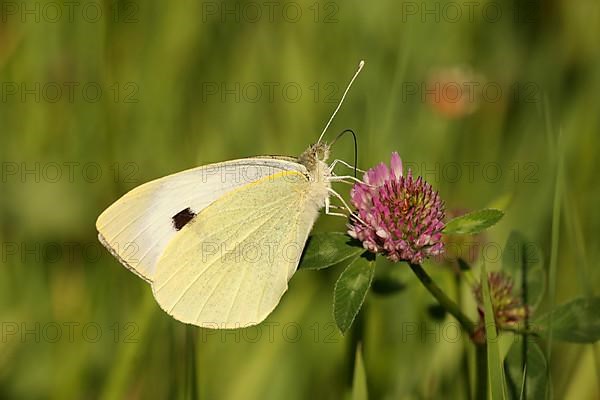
x=137, y=228
x=229, y=267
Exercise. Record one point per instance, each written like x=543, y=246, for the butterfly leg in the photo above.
x=329, y=206
x=340, y=198
x=337, y=178
x=335, y=162
x=336, y=214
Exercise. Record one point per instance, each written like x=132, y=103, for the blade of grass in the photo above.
x=554, y=146
x=525, y=297
x=359, y=381
x=494, y=363
x=466, y=372
x=548, y=123
x=481, y=380
x=573, y=223
x=524, y=382
x=554, y=243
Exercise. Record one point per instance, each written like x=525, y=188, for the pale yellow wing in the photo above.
x=230, y=266
x=138, y=226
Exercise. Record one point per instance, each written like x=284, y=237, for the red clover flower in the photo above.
x=508, y=308
x=398, y=216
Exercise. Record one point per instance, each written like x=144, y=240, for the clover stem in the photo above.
x=466, y=323
x=448, y=304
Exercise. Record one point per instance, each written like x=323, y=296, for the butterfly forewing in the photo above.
x=138, y=227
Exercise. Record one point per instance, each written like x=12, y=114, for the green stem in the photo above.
x=481, y=389
x=443, y=299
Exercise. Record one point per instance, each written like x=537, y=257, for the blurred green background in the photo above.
x=99, y=97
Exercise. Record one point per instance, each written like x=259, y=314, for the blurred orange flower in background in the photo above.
x=453, y=92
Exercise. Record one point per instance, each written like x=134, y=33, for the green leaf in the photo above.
x=535, y=367
x=523, y=260
x=577, y=321
x=473, y=222
x=329, y=248
x=359, y=382
x=494, y=363
x=351, y=289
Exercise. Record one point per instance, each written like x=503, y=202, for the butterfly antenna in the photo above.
x=355, y=146
x=360, y=66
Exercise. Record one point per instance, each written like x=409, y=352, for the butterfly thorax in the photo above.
x=314, y=159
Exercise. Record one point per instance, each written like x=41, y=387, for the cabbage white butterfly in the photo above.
x=219, y=243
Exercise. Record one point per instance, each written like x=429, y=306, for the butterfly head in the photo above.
x=316, y=155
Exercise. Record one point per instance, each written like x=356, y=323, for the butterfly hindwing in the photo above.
x=230, y=265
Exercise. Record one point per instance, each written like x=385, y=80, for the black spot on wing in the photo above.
x=182, y=218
